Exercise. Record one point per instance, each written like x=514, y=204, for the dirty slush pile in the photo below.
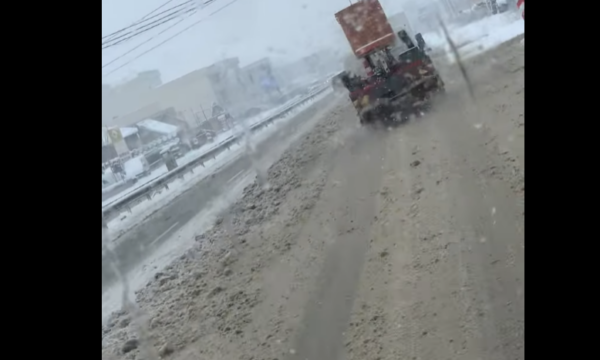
x=211, y=290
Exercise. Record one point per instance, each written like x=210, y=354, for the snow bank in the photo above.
x=478, y=36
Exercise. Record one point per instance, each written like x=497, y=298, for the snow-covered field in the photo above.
x=142, y=210
x=479, y=36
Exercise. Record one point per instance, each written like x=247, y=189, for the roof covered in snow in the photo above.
x=128, y=131
x=157, y=126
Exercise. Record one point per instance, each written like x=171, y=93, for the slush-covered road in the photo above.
x=362, y=244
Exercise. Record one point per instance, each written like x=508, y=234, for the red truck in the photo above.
x=366, y=27
x=400, y=76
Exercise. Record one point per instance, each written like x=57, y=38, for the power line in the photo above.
x=155, y=10
x=158, y=21
x=203, y=5
x=174, y=35
x=172, y=15
x=147, y=41
x=132, y=34
x=146, y=18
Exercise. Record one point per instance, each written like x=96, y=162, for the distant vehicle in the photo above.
x=222, y=116
x=136, y=167
x=153, y=157
x=202, y=137
x=196, y=144
x=175, y=150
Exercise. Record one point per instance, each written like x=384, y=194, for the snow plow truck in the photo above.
x=399, y=78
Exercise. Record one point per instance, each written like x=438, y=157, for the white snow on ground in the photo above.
x=478, y=36
x=154, y=174
x=142, y=210
x=194, y=154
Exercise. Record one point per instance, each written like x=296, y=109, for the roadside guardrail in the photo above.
x=146, y=191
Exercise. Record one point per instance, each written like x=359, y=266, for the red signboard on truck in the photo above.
x=366, y=27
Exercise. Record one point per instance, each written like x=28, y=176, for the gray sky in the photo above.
x=249, y=29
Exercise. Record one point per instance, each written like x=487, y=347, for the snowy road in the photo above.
x=398, y=244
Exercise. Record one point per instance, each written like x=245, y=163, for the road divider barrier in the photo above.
x=146, y=191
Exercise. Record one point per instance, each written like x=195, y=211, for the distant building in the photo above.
x=129, y=97
x=226, y=80
x=191, y=96
x=140, y=135
x=312, y=67
x=261, y=82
